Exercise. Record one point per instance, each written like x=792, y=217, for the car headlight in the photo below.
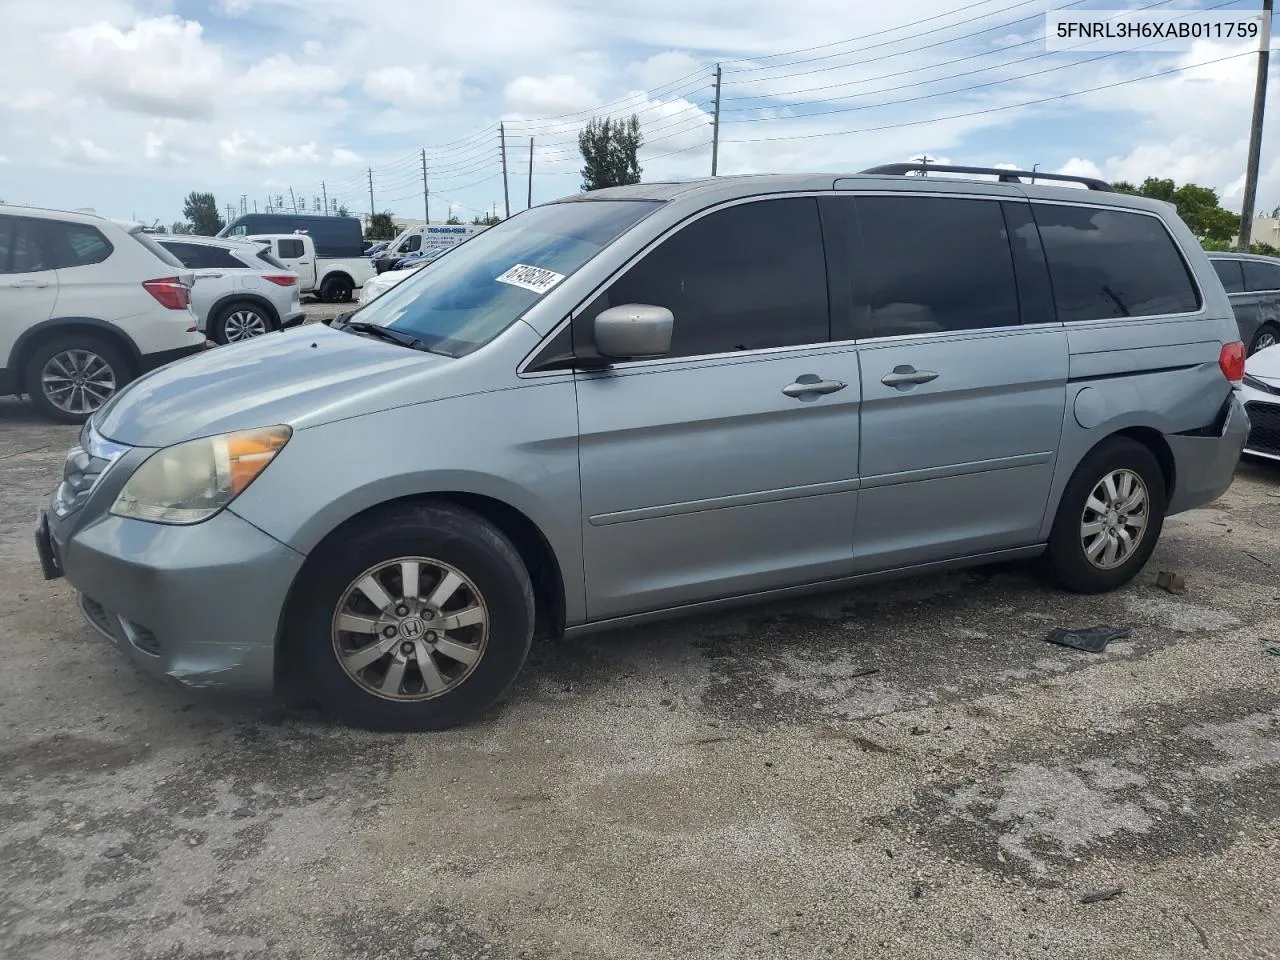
x=190, y=482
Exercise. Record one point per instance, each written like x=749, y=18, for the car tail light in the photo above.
x=170, y=292
x=1231, y=361
x=283, y=279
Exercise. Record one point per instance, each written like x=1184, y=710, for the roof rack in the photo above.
x=1006, y=176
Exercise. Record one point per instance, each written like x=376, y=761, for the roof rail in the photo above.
x=1006, y=176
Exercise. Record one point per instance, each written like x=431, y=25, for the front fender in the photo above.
x=518, y=446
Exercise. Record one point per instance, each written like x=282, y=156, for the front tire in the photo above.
x=420, y=620
x=70, y=377
x=336, y=289
x=1109, y=518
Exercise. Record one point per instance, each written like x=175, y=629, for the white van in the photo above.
x=422, y=238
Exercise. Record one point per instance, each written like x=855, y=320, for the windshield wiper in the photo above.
x=381, y=333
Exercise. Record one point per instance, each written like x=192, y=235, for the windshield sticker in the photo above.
x=536, y=279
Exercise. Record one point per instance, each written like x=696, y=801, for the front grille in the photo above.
x=86, y=464
x=1264, y=427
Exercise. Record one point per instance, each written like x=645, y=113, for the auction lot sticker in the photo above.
x=537, y=279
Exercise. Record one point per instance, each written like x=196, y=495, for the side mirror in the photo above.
x=633, y=331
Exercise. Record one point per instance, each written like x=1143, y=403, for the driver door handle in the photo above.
x=810, y=384
x=29, y=283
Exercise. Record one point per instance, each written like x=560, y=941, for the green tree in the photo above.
x=180, y=227
x=453, y=220
x=1197, y=206
x=610, y=151
x=488, y=220
x=382, y=227
x=201, y=213
x=343, y=211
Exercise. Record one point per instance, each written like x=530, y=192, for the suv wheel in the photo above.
x=417, y=622
x=1267, y=336
x=240, y=321
x=336, y=290
x=70, y=377
x=1109, y=519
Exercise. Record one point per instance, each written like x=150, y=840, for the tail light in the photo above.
x=283, y=279
x=1231, y=361
x=170, y=292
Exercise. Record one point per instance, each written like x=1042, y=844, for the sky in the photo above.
x=125, y=106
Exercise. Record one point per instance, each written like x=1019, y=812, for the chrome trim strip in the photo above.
x=956, y=470
x=723, y=503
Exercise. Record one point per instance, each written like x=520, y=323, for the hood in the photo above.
x=297, y=377
x=1265, y=365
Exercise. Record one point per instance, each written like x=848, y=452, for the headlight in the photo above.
x=190, y=482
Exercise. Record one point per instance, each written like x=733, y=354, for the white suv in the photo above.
x=86, y=305
x=240, y=290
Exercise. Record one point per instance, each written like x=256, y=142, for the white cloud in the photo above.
x=157, y=148
x=248, y=149
x=665, y=68
x=417, y=87
x=342, y=157
x=29, y=99
x=160, y=67
x=559, y=93
x=281, y=76
x=3, y=158
x=235, y=8
x=82, y=151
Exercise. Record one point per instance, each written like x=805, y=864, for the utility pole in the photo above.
x=530, y=173
x=255, y=206
x=924, y=163
x=324, y=191
x=715, y=127
x=1034, y=166
x=506, y=196
x=371, y=197
x=426, y=191
x=294, y=200
x=1255, y=132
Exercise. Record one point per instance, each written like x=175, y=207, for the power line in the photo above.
x=989, y=110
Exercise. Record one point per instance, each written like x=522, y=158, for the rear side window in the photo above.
x=1260, y=275
x=932, y=265
x=265, y=256
x=188, y=253
x=290, y=249
x=1228, y=272
x=75, y=244
x=220, y=257
x=1112, y=263
x=747, y=277
x=163, y=255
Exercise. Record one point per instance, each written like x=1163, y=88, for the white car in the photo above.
x=383, y=282
x=240, y=290
x=86, y=305
x=332, y=279
x=1261, y=394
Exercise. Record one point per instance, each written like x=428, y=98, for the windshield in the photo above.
x=469, y=297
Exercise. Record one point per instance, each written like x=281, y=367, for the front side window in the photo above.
x=1229, y=273
x=290, y=249
x=469, y=297
x=1260, y=275
x=932, y=265
x=747, y=277
x=413, y=244
x=1112, y=263
x=75, y=244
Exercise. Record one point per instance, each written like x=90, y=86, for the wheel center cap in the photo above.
x=1112, y=518
x=412, y=628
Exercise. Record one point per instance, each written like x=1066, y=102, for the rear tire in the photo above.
x=381, y=652
x=69, y=377
x=1268, y=335
x=1109, y=518
x=240, y=320
x=336, y=289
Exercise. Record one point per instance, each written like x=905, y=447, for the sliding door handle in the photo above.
x=810, y=384
x=907, y=376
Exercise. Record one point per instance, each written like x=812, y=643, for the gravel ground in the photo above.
x=904, y=771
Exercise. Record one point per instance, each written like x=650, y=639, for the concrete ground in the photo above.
x=901, y=771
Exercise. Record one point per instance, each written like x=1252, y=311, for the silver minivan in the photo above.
x=653, y=400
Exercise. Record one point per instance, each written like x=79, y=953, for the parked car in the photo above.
x=653, y=400
x=1261, y=394
x=385, y=281
x=335, y=238
x=86, y=305
x=373, y=249
x=1252, y=283
x=332, y=279
x=239, y=290
x=421, y=239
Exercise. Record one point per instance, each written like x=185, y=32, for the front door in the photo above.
x=730, y=466
x=964, y=372
x=28, y=282
x=295, y=254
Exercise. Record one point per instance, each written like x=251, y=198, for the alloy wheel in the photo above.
x=243, y=325
x=77, y=381
x=412, y=628
x=1115, y=519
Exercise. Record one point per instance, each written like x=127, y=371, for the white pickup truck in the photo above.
x=333, y=279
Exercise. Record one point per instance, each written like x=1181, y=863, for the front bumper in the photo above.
x=1263, y=407
x=1204, y=462
x=199, y=604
